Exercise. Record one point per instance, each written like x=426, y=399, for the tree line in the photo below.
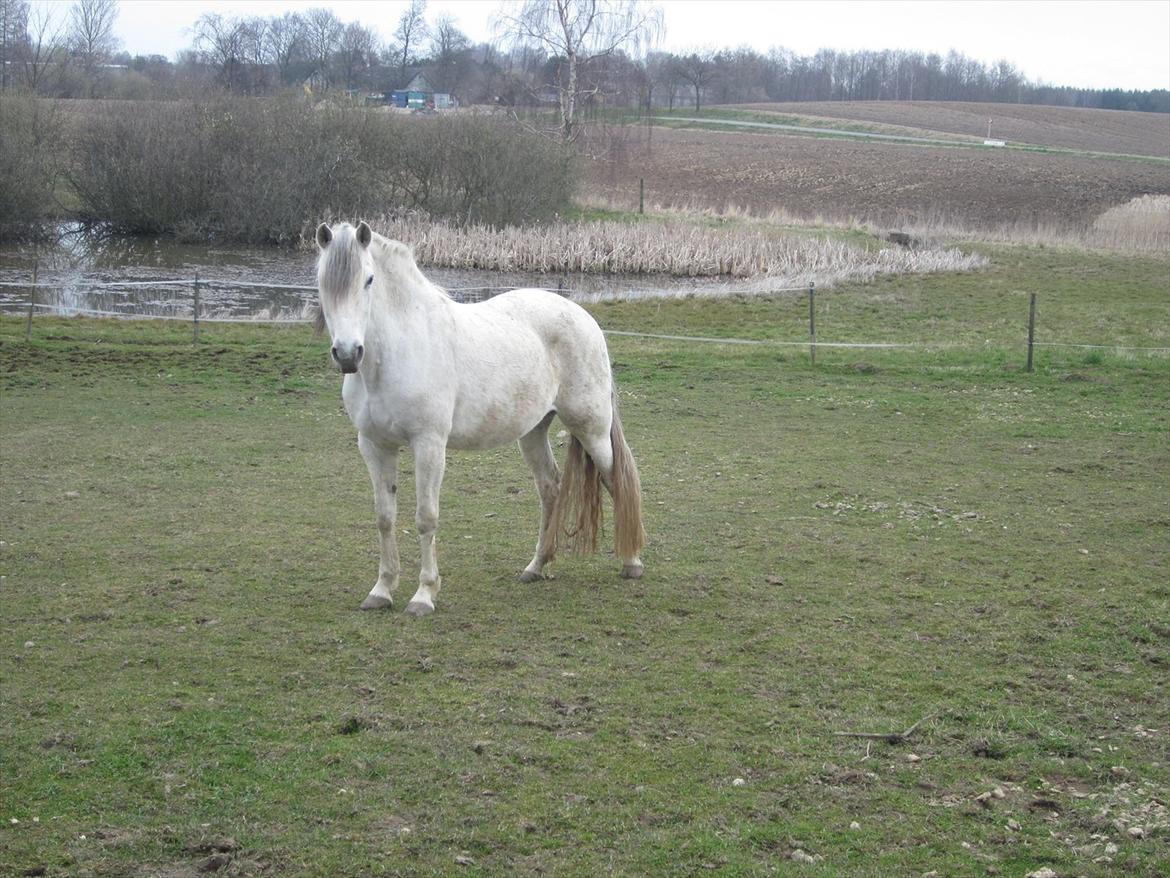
x=71, y=52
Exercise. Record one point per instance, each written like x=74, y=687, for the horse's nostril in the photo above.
x=333, y=350
x=361, y=349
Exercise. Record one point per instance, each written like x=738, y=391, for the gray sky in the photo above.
x=1085, y=43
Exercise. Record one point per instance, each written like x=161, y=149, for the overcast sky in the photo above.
x=1085, y=43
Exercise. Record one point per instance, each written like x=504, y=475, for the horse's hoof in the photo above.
x=530, y=576
x=376, y=602
x=418, y=609
x=632, y=571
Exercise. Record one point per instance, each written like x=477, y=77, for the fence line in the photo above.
x=1106, y=347
x=765, y=341
x=298, y=321
x=196, y=317
x=126, y=315
x=205, y=282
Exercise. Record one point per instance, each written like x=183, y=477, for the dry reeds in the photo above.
x=770, y=258
x=1139, y=227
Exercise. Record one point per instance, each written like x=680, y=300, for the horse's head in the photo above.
x=345, y=273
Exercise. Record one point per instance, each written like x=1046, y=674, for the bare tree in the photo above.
x=220, y=41
x=91, y=35
x=662, y=72
x=411, y=31
x=357, y=47
x=698, y=70
x=42, y=46
x=285, y=40
x=254, y=41
x=13, y=24
x=322, y=37
x=576, y=33
x=448, y=52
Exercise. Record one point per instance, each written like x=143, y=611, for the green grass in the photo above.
x=852, y=547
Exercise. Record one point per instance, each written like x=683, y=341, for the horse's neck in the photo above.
x=409, y=301
x=405, y=285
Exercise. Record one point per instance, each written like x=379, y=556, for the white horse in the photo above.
x=424, y=371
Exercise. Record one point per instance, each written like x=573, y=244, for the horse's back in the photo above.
x=551, y=315
x=559, y=343
x=570, y=336
x=516, y=357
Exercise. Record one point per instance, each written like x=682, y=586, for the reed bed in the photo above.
x=767, y=258
x=1140, y=227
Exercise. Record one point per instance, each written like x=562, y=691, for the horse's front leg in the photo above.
x=430, y=458
x=382, y=461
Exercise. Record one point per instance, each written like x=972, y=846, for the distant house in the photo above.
x=420, y=94
x=419, y=82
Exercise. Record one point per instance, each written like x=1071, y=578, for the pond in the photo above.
x=154, y=277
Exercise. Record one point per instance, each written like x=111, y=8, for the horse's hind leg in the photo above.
x=382, y=463
x=539, y=457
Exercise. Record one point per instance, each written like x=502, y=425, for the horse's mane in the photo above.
x=340, y=262
x=397, y=259
x=394, y=256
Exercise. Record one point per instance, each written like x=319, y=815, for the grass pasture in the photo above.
x=891, y=536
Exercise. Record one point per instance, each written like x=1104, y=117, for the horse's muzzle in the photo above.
x=348, y=357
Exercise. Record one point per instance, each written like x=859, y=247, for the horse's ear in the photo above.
x=364, y=234
x=324, y=236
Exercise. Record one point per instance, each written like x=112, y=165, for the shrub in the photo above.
x=266, y=170
x=481, y=170
x=30, y=163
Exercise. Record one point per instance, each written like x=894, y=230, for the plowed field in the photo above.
x=1061, y=127
x=889, y=182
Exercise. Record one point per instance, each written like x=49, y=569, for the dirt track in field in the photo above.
x=882, y=182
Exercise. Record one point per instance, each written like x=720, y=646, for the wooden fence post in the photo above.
x=196, y=309
x=641, y=195
x=32, y=298
x=812, y=323
x=1031, y=327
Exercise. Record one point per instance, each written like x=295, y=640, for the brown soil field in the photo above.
x=882, y=182
x=1063, y=127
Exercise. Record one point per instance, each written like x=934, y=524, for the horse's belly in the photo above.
x=496, y=428
x=497, y=412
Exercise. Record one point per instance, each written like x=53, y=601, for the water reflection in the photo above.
x=88, y=270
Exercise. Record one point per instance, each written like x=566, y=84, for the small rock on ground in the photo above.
x=799, y=856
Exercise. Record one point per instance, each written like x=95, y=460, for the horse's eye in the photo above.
x=369, y=280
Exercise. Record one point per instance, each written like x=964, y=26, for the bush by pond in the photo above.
x=265, y=170
x=31, y=158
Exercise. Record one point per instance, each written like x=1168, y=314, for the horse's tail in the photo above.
x=580, y=496
x=629, y=534
x=579, y=499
